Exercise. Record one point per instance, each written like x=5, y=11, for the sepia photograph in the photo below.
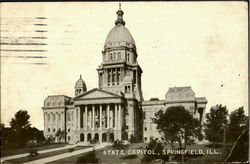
x=124, y=82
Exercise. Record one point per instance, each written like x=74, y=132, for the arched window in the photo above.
x=69, y=119
x=119, y=55
x=54, y=130
x=48, y=117
x=48, y=129
x=69, y=130
x=59, y=117
x=54, y=117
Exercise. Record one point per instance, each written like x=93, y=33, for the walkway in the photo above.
x=40, y=152
x=56, y=157
x=66, y=155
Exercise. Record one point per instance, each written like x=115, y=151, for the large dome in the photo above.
x=119, y=35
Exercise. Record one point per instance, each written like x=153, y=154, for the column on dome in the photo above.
x=117, y=80
x=111, y=72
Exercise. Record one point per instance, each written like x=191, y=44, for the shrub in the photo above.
x=132, y=139
x=158, y=149
x=132, y=156
x=118, y=145
x=88, y=158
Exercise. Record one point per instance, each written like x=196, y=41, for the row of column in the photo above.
x=113, y=72
x=89, y=119
x=114, y=75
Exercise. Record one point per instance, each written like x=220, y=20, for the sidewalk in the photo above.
x=40, y=152
x=66, y=155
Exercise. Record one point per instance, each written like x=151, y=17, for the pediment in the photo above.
x=97, y=93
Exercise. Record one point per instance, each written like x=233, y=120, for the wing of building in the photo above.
x=116, y=109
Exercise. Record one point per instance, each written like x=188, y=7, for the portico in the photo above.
x=99, y=116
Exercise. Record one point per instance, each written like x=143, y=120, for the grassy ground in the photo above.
x=44, y=155
x=109, y=158
x=8, y=152
x=120, y=158
x=114, y=158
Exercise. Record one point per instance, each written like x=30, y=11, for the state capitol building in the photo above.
x=116, y=109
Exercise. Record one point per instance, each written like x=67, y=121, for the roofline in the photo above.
x=58, y=95
x=99, y=90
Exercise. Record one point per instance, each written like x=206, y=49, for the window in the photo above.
x=54, y=130
x=59, y=117
x=145, y=128
x=48, y=129
x=69, y=116
x=48, y=117
x=54, y=117
x=69, y=138
x=119, y=55
x=145, y=138
x=69, y=130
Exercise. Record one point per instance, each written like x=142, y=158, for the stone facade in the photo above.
x=176, y=96
x=116, y=109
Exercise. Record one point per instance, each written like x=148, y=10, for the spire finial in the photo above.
x=80, y=76
x=119, y=13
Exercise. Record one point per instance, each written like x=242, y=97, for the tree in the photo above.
x=20, y=125
x=178, y=125
x=240, y=145
x=236, y=124
x=217, y=121
x=21, y=120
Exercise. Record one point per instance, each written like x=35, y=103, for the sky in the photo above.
x=45, y=46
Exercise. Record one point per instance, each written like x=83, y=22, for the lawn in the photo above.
x=8, y=152
x=119, y=158
x=45, y=155
x=109, y=158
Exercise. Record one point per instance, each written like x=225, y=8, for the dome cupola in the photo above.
x=80, y=87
